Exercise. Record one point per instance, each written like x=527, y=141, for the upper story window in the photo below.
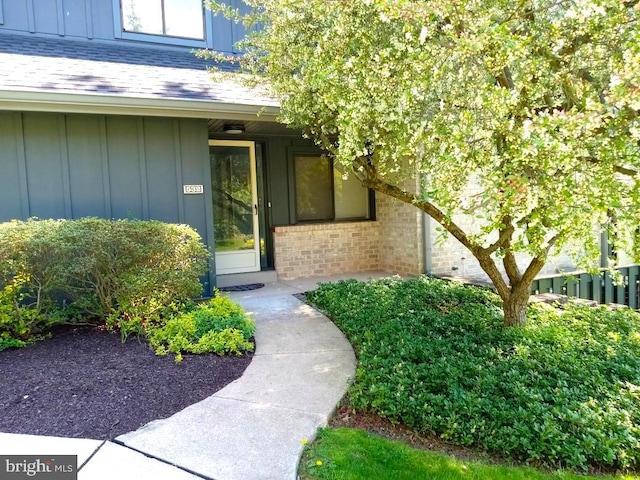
x=169, y=18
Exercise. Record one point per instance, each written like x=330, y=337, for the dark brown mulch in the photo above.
x=86, y=383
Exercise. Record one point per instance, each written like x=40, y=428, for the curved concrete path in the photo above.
x=250, y=430
x=253, y=428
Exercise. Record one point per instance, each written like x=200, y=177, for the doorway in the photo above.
x=235, y=206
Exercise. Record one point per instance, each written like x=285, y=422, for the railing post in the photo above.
x=622, y=288
x=599, y=287
x=633, y=286
x=608, y=287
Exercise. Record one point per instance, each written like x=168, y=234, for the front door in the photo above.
x=235, y=206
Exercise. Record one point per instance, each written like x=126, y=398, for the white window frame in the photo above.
x=119, y=31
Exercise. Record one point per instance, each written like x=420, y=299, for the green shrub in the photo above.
x=29, y=278
x=564, y=390
x=219, y=326
x=131, y=268
x=126, y=273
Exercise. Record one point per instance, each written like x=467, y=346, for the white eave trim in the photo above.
x=21, y=100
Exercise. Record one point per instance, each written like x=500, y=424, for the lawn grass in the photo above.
x=349, y=454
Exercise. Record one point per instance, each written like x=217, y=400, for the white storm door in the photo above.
x=235, y=206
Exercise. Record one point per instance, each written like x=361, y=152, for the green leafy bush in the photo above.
x=220, y=326
x=125, y=273
x=564, y=390
x=131, y=267
x=29, y=278
x=21, y=322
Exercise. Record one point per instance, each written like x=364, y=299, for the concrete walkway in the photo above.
x=250, y=430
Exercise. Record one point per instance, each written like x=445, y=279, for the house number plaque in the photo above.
x=193, y=189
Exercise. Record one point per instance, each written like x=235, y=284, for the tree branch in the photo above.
x=371, y=179
x=505, y=236
x=537, y=263
x=511, y=267
x=617, y=168
x=505, y=80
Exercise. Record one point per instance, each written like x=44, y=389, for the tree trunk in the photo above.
x=515, y=294
x=515, y=307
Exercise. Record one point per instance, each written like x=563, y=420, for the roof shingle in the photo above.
x=39, y=64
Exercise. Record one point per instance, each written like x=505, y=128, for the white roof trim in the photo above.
x=25, y=100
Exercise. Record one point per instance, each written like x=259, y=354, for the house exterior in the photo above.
x=105, y=111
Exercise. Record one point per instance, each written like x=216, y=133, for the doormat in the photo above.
x=242, y=288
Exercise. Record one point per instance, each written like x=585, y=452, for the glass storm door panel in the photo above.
x=235, y=206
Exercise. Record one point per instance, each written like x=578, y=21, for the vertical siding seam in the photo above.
x=208, y=28
x=25, y=208
x=31, y=16
x=210, y=240
x=117, y=19
x=142, y=159
x=177, y=146
x=1, y=15
x=89, y=18
x=106, y=177
x=61, y=26
x=64, y=165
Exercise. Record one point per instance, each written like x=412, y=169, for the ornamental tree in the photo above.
x=523, y=115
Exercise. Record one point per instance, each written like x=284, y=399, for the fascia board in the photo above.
x=22, y=100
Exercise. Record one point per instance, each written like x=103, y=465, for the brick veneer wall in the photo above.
x=401, y=236
x=449, y=257
x=393, y=243
x=326, y=249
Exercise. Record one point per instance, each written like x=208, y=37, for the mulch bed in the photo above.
x=85, y=383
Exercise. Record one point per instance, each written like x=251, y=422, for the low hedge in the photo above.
x=127, y=273
x=564, y=390
x=218, y=326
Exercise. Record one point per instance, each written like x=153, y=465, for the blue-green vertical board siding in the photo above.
x=74, y=13
x=194, y=153
x=196, y=170
x=95, y=19
x=86, y=175
x=42, y=148
x=559, y=285
x=101, y=18
x=70, y=166
x=222, y=34
x=278, y=182
x=177, y=152
x=10, y=194
x=45, y=13
x=280, y=178
x=15, y=15
x=124, y=167
x=238, y=31
x=31, y=16
x=61, y=12
x=160, y=153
